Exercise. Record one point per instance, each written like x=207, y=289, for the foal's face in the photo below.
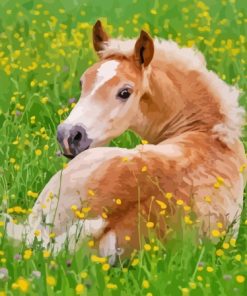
x=111, y=90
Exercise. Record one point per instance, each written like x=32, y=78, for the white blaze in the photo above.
x=105, y=72
x=85, y=111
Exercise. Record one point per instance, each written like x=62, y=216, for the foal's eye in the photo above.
x=124, y=93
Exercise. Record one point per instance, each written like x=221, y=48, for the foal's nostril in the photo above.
x=78, y=140
x=77, y=137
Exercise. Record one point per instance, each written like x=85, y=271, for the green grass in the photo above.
x=43, y=51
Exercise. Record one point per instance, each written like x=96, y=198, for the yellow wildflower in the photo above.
x=51, y=281
x=161, y=204
x=180, y=202
x=27, y=254
x=79, y=289
x=240, y=279
x=219, y=252
x=97, y=259
x=91, y=243
x=215, y=233
x=135, y=262
x=144, y=142
x=150, y=224
x=145, y=284
x=105, y=267
x=111, y=286
x=118, y=201
x=22, y=284
x=168, y=195
x=46, y=254
x=210, y=269
x=91, y=192
x=144, y=169
x=147, y=247
x=83, y=275
x=38, y=152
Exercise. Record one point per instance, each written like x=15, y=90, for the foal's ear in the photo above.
x=99, y=36
x=144, y=49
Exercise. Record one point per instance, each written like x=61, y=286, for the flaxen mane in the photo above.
x=190, y=59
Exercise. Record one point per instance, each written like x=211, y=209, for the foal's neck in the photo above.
x=184, y=102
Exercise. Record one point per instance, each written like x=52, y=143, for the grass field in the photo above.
x=44, y=48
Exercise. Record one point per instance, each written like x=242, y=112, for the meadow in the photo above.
x=44, y=48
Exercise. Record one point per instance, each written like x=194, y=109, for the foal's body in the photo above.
x=193, y=121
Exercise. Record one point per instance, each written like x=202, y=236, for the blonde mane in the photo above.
x=190, y=59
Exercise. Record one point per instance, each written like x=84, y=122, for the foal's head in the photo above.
x=111, y=92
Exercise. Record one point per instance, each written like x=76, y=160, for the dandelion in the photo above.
x=180, y=202
x=192, y=285
x=233, y=242
x=104, y=215
x=219, y=252
x=118, y=201
x=91, y=192
x=46, y=254
x=105, y=267
x=125, y=159
x=161, y=204
x=90, y=243
x=135, y=262
x=83, y=275
x=51, y=281
x=27, y=254
x=215, y=233
x=156, y=248
x=187, y=220
x=225, y=245
x=97, y=259
x=73, y=208
x=147, y=247
x=199, y=278
x=145, y=284
x=153, y=11
x=207, y=198
x=144, y=169
x=38, y=152
x=220, y=225
x=37, y=233
x=168, y=195
x=217, y=185
x=185, y=291
x=144, y=142
x=150, y=224
x=240, y=279
x=209, y=269
x=22, y=284
x=44, y=100
x=79, y=289
x=238, y=257
x=60, y=112
x=111, y=286
x=187, y=208
x=52, y=235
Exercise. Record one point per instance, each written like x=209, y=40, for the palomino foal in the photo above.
x=192, y=122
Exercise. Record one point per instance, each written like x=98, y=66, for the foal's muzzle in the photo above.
x=73, y=139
